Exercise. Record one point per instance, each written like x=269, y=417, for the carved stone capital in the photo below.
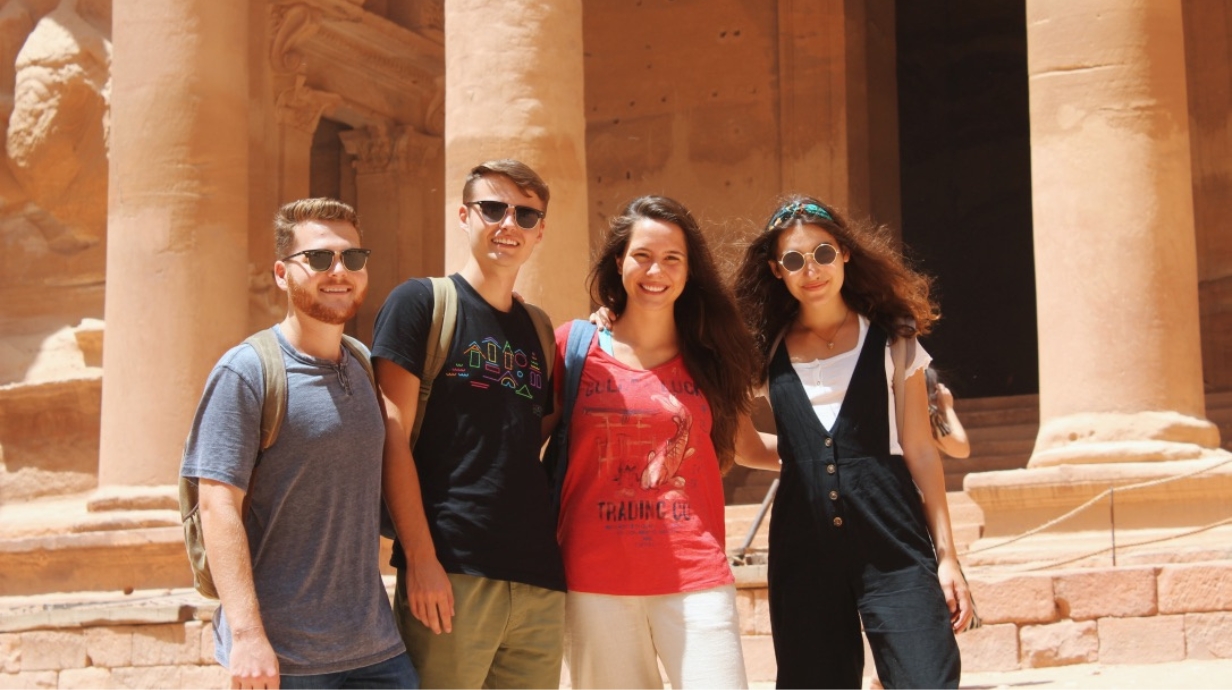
x=379, y=149
x=300, y=107
x=373, y=148
x=292, y=22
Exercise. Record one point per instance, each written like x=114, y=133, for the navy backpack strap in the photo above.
x=556, y=460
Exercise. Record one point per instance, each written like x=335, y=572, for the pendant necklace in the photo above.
x=830, y=341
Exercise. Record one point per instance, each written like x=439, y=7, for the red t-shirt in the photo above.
x=642, y=503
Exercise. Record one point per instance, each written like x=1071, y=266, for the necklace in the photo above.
x=830, y=341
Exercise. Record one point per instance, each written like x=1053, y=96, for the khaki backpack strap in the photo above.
x=361, y=354
x=444, y=320
x=274, y=373
x=547, y=337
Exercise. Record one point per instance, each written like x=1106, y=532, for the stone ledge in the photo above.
x=19, y=614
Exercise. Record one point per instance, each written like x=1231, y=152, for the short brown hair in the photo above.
x=302, y=210
x=519, y=173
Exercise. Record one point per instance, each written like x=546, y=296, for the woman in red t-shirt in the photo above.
x=654, y=425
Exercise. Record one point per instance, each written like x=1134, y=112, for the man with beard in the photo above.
x=292, y=531
x=480, y=598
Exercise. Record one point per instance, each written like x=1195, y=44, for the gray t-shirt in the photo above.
x=314, y=516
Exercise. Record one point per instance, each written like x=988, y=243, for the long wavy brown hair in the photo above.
x=716, y=349
x=877, y=282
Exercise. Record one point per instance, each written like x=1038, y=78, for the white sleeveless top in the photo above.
x=826, y=380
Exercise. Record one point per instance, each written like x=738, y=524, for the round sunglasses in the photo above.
x=494, y=212
x=323, y=259
x=823, y=254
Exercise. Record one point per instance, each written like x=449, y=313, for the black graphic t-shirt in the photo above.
x=485, y=493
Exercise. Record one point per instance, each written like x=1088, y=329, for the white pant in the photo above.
x=615, y=641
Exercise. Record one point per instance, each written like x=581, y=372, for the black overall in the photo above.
x=849, y=542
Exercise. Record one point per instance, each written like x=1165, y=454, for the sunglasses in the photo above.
x=494, y=212
x=823, y=254
x=797, y=209
x=323, y=259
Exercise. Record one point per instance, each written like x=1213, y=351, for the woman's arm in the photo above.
x=954, y=444
x=756, y=449
x=925, y=466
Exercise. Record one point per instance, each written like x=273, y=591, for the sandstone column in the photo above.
x=177, y=253
x=514, y=89
x=1116, y=271
x=1121, y=393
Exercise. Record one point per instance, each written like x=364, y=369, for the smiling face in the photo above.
x=333, y=296
x=504, y=243
x=815, y=284
x=655, y=266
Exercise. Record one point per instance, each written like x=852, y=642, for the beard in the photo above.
x=306, y=303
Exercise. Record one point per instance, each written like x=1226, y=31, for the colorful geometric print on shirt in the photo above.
x=490, y=362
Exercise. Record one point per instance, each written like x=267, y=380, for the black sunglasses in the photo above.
x=494, y=212
x=323, y=259
x=823, y=254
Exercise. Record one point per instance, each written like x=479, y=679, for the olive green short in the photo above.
x=505, y=635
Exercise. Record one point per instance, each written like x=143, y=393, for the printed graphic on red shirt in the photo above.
x=642, y=505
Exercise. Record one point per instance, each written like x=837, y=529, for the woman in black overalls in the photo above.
x=851, y=541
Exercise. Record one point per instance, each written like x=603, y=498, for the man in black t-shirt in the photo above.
x=480, y=596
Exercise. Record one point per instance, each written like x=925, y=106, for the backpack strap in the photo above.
x=556, y=460
x=444, y=320
x=274, y=375
x=547, y=337
x=362, y=355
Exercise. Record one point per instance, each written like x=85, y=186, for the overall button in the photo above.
x=829, y=442
x=833, y=495
x=838, y=522
x=831, y=469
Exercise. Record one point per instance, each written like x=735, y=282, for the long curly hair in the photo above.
x=877, y=282
x=717, y=350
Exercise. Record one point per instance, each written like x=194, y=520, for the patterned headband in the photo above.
x=796, y=209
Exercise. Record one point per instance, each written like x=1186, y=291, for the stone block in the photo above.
x=29, y=679
x=1194, y=588
x=990, y=648
x=759, y=661
x=1101, y=592
x=1058, y=644
x=1141, y=640
x=753, y=607
x=207, y=645
x=85, y=678
x=212, y=676
x=746, y=604
x=146, y=677
x=161, y=645
x=110, y=647
x=1015, y=599
x=10, y=653
x=52, y=650
x=1208, y=635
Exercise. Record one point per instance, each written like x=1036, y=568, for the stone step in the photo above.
x=1004, y=411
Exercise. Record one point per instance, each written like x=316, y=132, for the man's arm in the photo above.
x=429, y=592
x=253, y=663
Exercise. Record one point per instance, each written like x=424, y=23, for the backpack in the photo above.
x=273, y=410
x=556, y=459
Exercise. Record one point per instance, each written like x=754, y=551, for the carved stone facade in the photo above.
x=157, y=203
